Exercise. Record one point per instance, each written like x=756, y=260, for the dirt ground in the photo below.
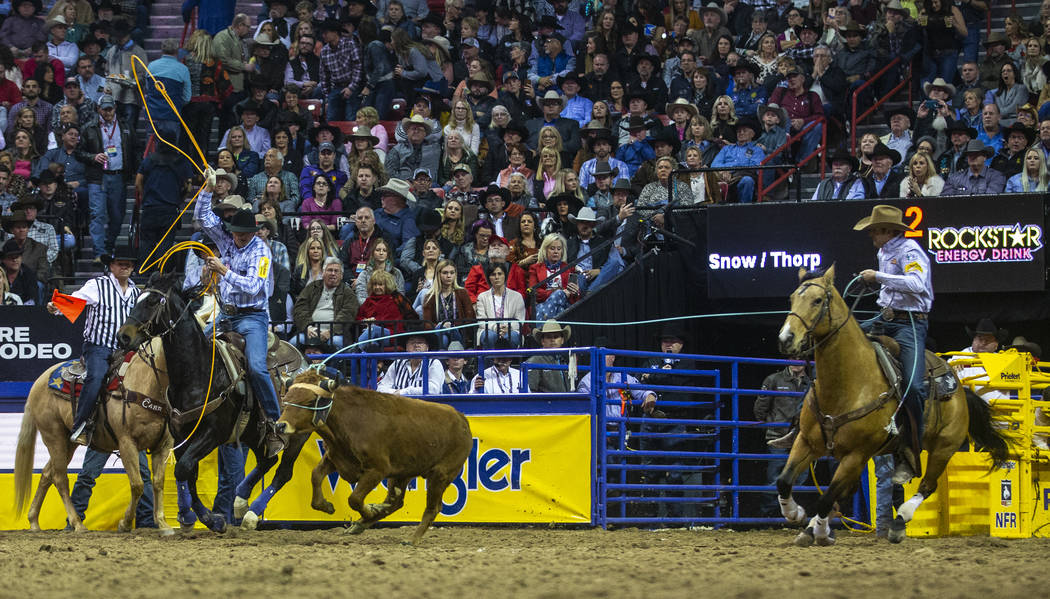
x=513, y=563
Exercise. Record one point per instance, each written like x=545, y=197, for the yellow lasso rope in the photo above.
x=184, y=245
x=863, y=527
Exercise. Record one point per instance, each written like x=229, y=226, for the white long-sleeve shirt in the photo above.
x=497, y=383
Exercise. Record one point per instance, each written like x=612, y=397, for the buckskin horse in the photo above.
x=131, y=418
x=162, y=311
x=846, y=412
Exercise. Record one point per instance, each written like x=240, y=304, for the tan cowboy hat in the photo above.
x=553, y=96
x=269, y=222
x=400, y=188
x=941, y=83
x=416, y=120
x=56, y=20
x=1021, y=344
x=882, y=215
x=896, y=5
x=681, y=103
x=234, y=202
x=220, y=173
x=264, y=39
x=714, y=7
x=442, y=42
x=780, y=112
x=552, y=326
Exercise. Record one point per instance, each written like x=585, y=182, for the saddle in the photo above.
x=939, y=380
x=68, y=379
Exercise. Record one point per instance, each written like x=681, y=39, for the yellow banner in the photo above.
x=521, y=469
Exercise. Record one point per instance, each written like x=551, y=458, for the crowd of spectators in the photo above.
x=494, y=160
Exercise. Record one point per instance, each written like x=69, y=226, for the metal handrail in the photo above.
x=905, y=81
x=189, y=27
x=820, y=151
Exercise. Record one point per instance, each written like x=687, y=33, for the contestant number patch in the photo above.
x=264, y=267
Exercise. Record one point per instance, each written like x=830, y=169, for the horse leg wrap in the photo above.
x=793, y=512
x=907, y=509
x=821, y=528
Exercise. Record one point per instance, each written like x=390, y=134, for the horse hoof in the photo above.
x=123, y=527
x=218, y=524
x=897, y=530
x=250, y=521
x=167, y=531
x=323, y=506
x=240, y=508
x=805, y=538
x=827, y=541
x=356, y=528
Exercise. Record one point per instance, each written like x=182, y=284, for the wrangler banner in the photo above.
x=521, y=469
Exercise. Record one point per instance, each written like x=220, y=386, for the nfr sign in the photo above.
x=1005, y=520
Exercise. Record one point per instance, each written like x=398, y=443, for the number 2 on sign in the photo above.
x=915, y=213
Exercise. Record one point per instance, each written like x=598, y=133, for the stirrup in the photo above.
x=82, y=434
x=784, y=442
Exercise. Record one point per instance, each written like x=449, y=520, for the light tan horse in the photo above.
x=846, y=412
x=135, y=428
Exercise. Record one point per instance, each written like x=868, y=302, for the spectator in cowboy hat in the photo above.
x=604, y=263
x=21, y=279
x=638, y=148
x=495, y=201
x=900, y=121
x=843, y=184
x=665, y=142
x=1009, y=160
x=637, y=102
x=995, y=56
x=600, y=188
x=577, y=107
x=482, y=97
x=986, y=338
x=883, y=182
x=415, y=151
x=541, y=380
x=743, y=153
x=747, y=95
x=601, y=145
x=553, y=104
x=552, y=63
x=953, y=158
x=34, y=253
x=647, y=78
x=397, y=222
x=978, y=178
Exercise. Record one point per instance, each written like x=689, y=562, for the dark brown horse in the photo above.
x=847, y=411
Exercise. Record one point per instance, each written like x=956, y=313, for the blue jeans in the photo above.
x=910, y=334
x=973, y=39
x=941, y=64
x=340, y=108
x=445, y=336
x=372, y=332
x=555, y=304
x=883, y=491
x=613, y=266
x=96, y=358
x=810, y=141
x=94, y=462
x=381, y=98
x=253, y=326
x=231, y=473
x=108, y=205
x=489, y=337
x=336, y=341
x=745, y=190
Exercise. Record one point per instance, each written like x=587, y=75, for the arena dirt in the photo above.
x=497, y=562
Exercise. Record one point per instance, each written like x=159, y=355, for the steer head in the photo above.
x=306, y=403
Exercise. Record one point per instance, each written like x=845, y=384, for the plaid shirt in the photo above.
x=341, y=66
x=41, y=110
x=45, y=234
x=249, y=281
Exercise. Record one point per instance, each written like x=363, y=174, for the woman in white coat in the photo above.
x=500, y=311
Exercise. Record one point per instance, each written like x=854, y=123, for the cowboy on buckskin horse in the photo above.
x=245, y=286
x=905, y=299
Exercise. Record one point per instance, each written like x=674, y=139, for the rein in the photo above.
x=320, y=412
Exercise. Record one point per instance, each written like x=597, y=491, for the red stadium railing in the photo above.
x=856, y=120
x=818, y=152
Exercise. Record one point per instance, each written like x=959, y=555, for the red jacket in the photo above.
x=29, y=68
x=477, y=284
x=538, y=272
x=388, y=307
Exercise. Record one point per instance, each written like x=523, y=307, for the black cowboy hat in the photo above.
x=671, y=138
x=841, y=155
x=1017, y=127
x=597, y=133
x=242, y=221
x=976, y=146
x=120, y=28
x=854, y=27
x=417, y=328
x=428, y=221
x=87, y=41
x=123, y=251
x=637, y=93
x=882, y=149
x=747, y=121
x=570, y=76
x=518, y=126
x=748, y=66
x=16, y=216
x=673, y=330
x=549, y=21
x=251, y=105
x=961, y=127
x=602, y=167
x=551, y=203
x=31, y=199
x=494, y=189
x=337, y=134
x=986, y=326
x=905, y=110
x=653, y=60
x=370, y=9
x=11, y=248
x=329, y=24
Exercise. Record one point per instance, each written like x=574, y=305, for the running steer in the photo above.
x=373, y=436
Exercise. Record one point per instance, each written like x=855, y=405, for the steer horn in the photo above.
x=288, y=380
x=328, y=385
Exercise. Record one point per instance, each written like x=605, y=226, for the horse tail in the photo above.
x=24, y=456
x=982, y=433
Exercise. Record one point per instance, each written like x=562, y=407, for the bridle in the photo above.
x=320, y=412
x=146, y=325
x=808, y=346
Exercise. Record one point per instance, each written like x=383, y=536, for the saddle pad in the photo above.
x=55, y=382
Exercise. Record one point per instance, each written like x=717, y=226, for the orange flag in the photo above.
x=69, y=306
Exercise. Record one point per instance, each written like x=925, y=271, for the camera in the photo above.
x=931, y=104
